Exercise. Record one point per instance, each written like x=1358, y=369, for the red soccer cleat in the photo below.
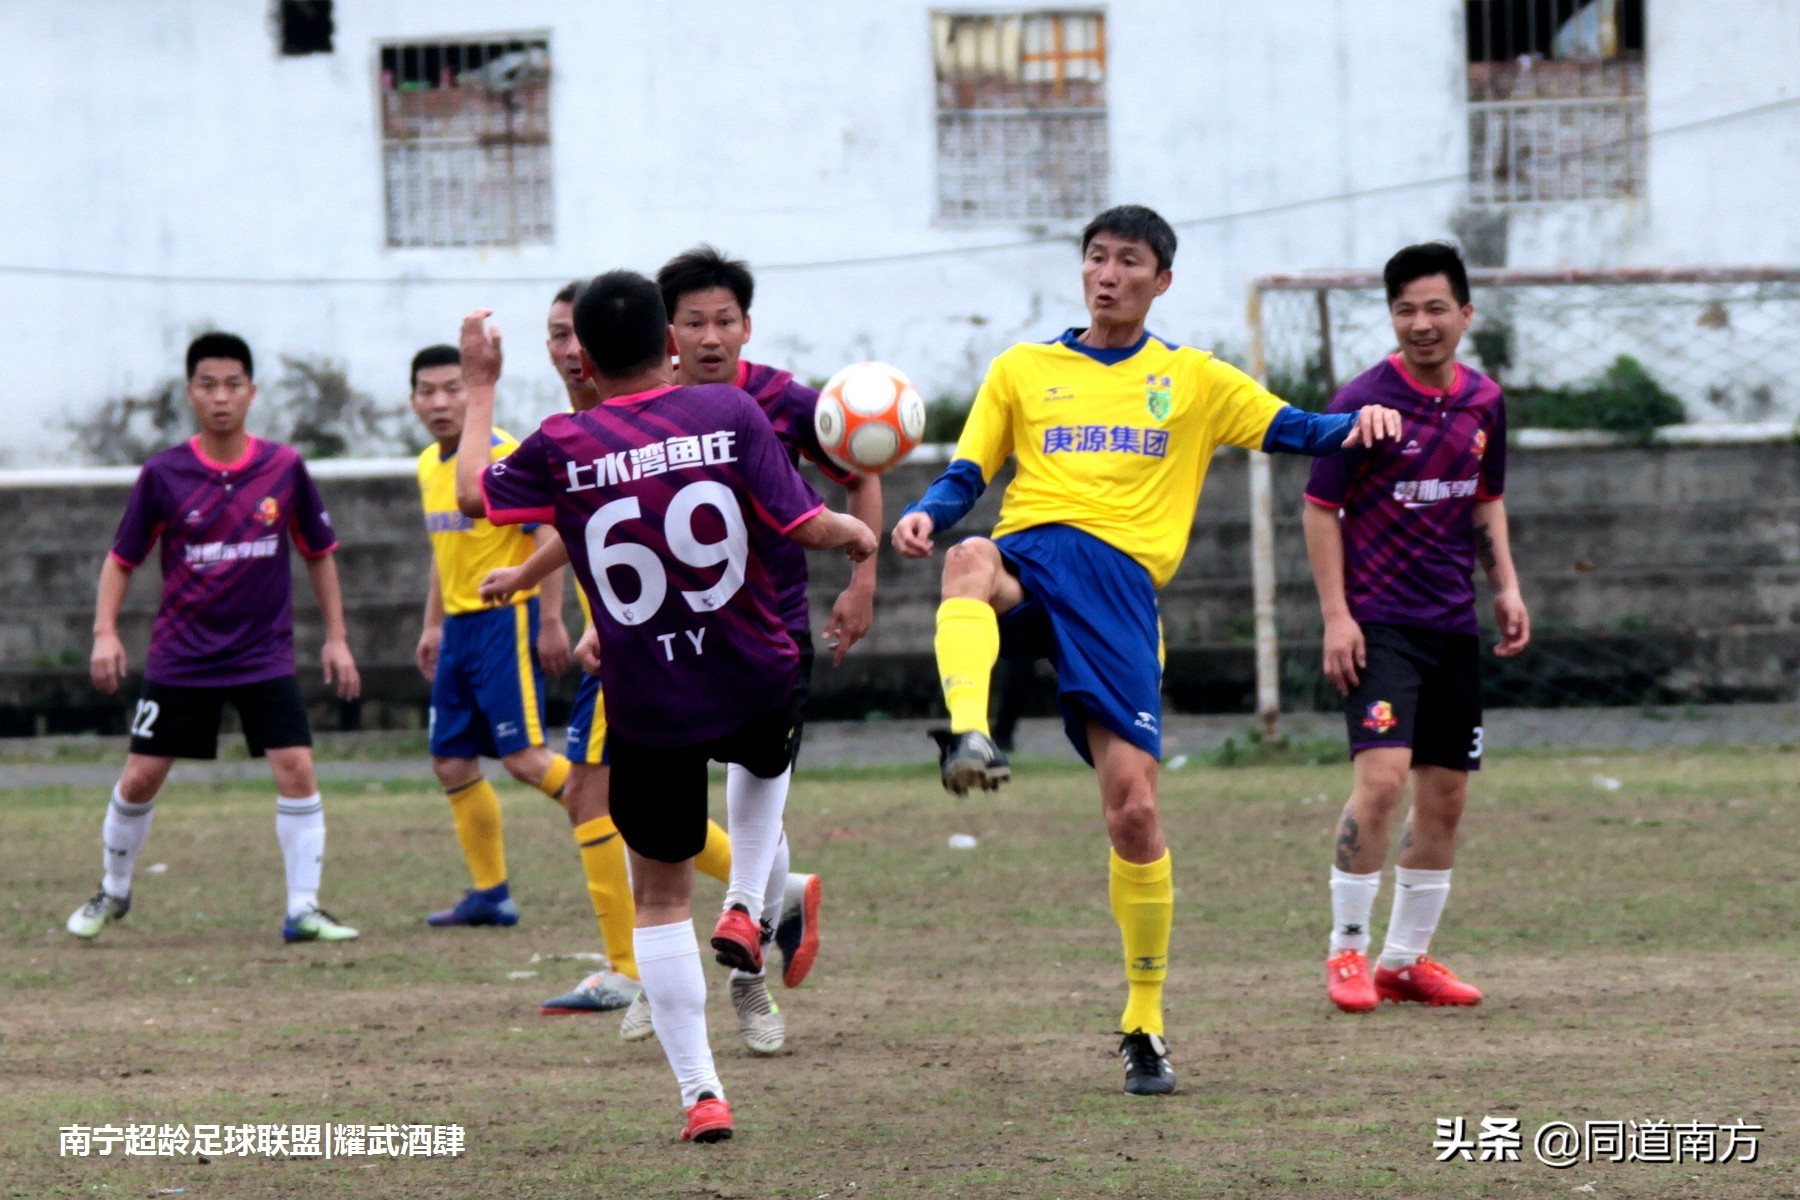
x=1427, y=981
x=1348, y=984
x=708, y=1121
x=737, y=940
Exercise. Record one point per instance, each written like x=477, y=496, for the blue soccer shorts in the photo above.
x=487, y=698
x=587, y=724
x=1091, y=610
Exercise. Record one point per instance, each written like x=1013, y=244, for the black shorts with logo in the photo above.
x=174, y=721
x=1421, y=688
x=658, y=793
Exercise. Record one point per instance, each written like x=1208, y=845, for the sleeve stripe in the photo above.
x=514, y=516
x=796, y=523
x=124, y=562
x=1334, y=505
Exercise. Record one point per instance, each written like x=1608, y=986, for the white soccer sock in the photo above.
x=1352, y=900
x=753, y=810
x=774, y=897
x=668, y=959
x=1419, y=898
x=300, y=828
x=122, y=835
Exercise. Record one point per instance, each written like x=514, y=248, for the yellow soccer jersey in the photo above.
x=467, y=548
x=1113, y=442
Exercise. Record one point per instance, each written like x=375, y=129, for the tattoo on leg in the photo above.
x=1348, y=843
x=1406, y=838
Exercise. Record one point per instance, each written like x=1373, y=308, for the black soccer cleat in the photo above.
x=970, y=760
x=1147, y=1069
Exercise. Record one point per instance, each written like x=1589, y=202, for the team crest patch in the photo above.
x=1380, y=717
x=1480, y=442
x=268, y=512
x=1156, y=396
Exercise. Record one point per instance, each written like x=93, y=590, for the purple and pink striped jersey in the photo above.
x=670, y=503
x=1409, y=504
x=227, y=611
x=789, y=406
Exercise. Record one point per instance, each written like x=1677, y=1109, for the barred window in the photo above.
x=1021, y=115
x=465, y=142
x=1556, y=100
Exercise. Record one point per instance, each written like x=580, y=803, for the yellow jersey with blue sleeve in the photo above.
x=1114, y=442
x=467, y=548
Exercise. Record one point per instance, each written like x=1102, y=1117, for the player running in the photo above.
x=1393, y=533
x=1112, y=428
x=224, y=504
x=483, y=661
x=684, y=489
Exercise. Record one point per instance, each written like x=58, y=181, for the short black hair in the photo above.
x=1135, y=221
x=621, y=323
x=219, y=345
x=433, y=356
x=567, y=292
x=1423, y=261
x=700, y=269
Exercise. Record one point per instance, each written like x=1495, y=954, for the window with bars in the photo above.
x=1556, y=100
x=1021, y=115
x=465, y=142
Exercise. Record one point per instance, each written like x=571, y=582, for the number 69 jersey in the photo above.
x=668, y=502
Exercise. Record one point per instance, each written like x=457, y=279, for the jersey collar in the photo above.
x=1106, y=357
x=251, y=444
x=1458, y=377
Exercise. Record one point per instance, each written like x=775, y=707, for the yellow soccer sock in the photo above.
x=715, y=857
x=609, y=887
x=1143, y=903
x=968, y=645
x=555, y=776
x=476, y=809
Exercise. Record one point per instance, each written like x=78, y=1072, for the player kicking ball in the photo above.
x=224, y=505
x=1393, y=533
x=667, y=500
x=1112, y=428
x=485, y=662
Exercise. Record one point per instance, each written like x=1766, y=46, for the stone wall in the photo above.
x=1654, y=574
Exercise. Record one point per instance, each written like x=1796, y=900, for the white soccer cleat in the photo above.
x=636, y=1026
x=759, y=1019
x=86, y=921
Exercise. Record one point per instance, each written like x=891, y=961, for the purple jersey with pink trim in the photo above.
x=1409, y=505
x=227, y=611
x=789, y=406
x=670, y=503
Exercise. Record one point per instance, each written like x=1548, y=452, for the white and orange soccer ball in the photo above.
x=869, y=417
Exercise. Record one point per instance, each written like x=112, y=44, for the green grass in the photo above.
x=1637, y=947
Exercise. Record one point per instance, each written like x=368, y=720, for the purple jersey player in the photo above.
x=667, y=500
x=224, y=505
x=708, y=299
x=1394, y=533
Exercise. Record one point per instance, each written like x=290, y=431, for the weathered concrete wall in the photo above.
x=1664, y=573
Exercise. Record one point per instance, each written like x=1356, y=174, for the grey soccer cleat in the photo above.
x=603, y=991
x=637, y=1024
x=86, y=921
x=759, y=1019
x=970, y=760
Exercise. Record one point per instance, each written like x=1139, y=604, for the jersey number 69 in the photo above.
x=678, y=531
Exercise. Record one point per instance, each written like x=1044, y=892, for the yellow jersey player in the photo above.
x=1112, y=428
x=485, y=662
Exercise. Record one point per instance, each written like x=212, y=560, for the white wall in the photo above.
x=169, y=138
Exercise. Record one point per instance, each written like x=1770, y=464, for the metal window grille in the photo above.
x=1021, y=120
x=1556, y=100
x=465, y=128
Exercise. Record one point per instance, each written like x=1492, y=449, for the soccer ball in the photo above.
x=869, y=417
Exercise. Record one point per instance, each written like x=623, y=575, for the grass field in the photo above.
x=1638, y=948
